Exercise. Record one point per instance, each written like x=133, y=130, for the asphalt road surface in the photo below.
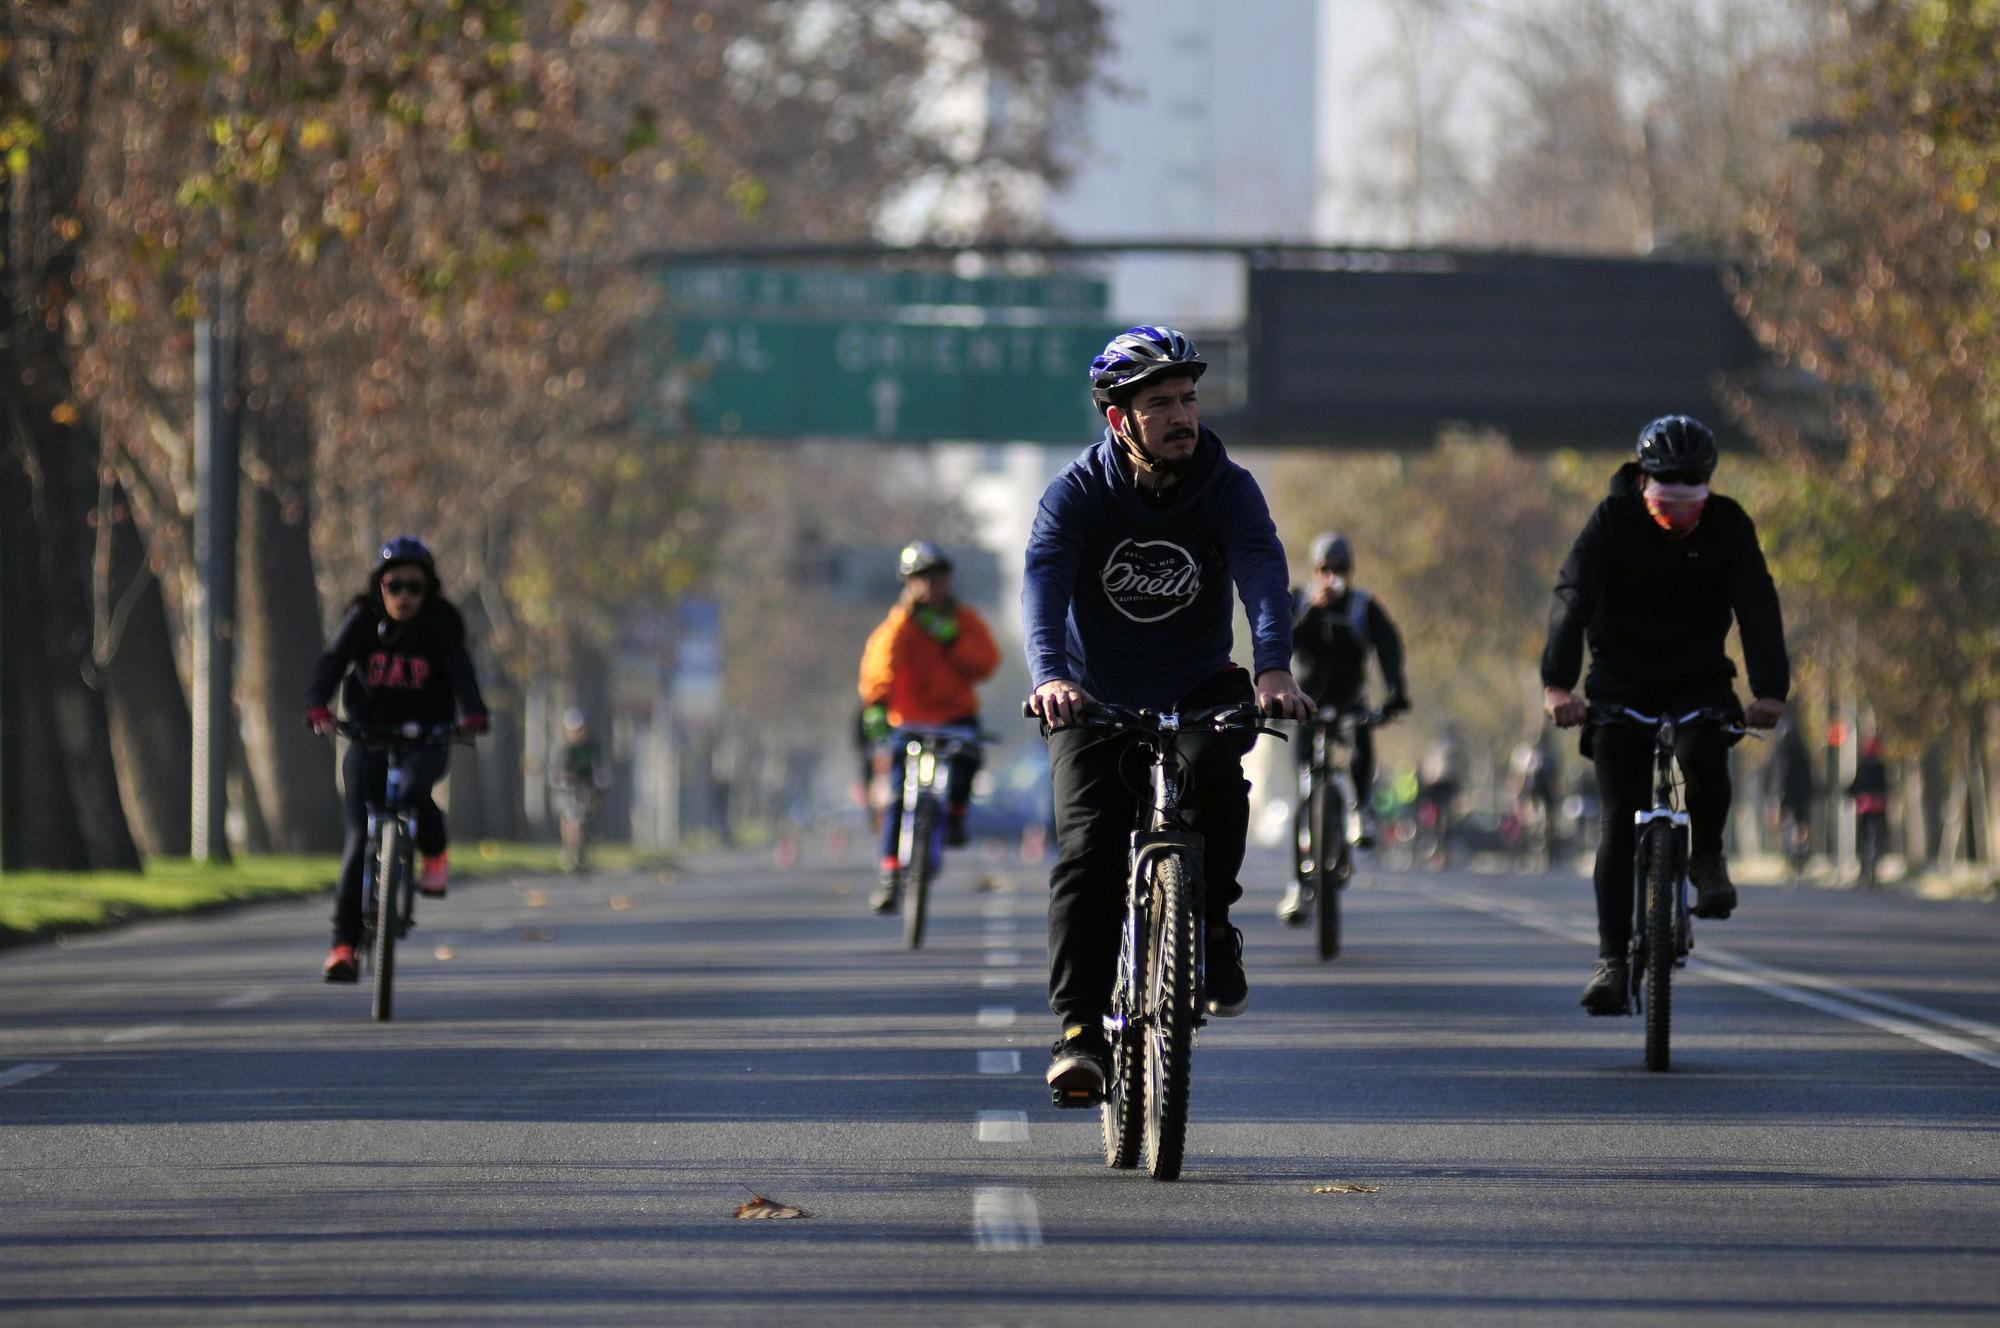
x=584, y=1075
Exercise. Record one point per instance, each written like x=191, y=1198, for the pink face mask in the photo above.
x=1676, y=508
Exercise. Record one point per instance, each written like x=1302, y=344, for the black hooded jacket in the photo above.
x=395, y=673
x=1656, y=610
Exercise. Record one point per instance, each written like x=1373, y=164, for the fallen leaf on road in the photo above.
x=537, y=934
x=445, y=952
x=1347, y=1187
x=619, y=903
x=992, y=885
x=535, y=898
x=759, y=1206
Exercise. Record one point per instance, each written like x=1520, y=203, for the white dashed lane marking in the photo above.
x=1003, y=1127
x=999, y=1062
x=995, y=1016
x=20, y=1074
x=141, y=1033
x=244, y=999
x=1003, y=958
x=1004, y=1218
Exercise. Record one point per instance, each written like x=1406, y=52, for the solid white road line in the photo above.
x=995, y=1016
x=1799, y=988
x=1003, y=1127
x=1004, y=1218
x=999, y=1062
x=143, y=1032
x=20, y=1074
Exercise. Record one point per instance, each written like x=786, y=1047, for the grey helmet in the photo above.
x=919, y=556
x=1331, y=549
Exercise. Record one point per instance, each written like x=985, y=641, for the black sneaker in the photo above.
x=1714, y=896
x=1079, y=1066
x=1228, y=988
x=1295, y=907
x=889, y=893
x=1609, y=988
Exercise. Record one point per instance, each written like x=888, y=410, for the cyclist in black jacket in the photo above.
x=1652, y=584
x=398, y=656
x=1334, y=631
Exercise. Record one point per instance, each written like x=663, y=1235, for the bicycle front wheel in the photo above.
x=1170, y=986
x=388, y=889
x=919, y=865
x=1330, y=865
x=1663, y=883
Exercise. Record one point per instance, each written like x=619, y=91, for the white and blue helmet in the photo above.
x=1137, y=354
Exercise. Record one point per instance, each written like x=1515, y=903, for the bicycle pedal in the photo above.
x=1075, y=1099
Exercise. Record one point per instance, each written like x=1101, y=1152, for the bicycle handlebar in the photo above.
x=408, y=735
x=1108, y=717
x=1702, y=717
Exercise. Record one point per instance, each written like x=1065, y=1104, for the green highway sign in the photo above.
x=814, y=350
x=880, y=294
x=912, y=381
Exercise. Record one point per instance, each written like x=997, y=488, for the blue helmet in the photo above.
x=1137, y=354
x=406, y=549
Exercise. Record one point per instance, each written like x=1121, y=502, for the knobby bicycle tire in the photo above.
x=388, y=887
x=1170, y=1030
x=1329, y=837
x=919, y=866
x=1663, y=868
x=1123, y=1111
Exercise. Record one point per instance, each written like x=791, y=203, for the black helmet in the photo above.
x=1331, y=549
x=406, y=549
x=1677, y=444
x=920, y=556
x=1137, y=354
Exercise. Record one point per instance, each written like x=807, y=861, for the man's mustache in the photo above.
x=1175, y=435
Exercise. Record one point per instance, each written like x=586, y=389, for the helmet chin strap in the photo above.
x=1156, y=463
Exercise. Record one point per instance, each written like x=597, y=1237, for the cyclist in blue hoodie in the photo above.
x=1128, y=598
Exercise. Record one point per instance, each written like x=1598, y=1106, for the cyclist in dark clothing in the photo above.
x=1139, y=552
x=1335, y=631
x=1652, y=584
x=398, y=657
x=1870, y=790
x=1788, y=789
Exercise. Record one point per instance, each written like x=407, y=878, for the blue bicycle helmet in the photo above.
x=406, y=549
x=1137, y=354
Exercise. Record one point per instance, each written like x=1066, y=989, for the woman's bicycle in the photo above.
x=1662, y=927
x=1322, y=850
x=1157, y=995
x=927, y=757
x=388, y=877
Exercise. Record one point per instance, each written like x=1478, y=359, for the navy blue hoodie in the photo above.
x=1132, y=601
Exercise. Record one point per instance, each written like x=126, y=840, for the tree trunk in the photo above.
x=60, y=455
x=280, y=632
x=152, y=734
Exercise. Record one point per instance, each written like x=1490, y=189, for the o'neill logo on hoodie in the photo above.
x=1148, y=580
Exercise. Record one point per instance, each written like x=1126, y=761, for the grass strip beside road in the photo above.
x=39, y=905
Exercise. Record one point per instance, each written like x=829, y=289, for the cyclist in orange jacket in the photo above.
x=919, y=669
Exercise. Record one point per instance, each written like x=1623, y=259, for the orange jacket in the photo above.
x=920, y=680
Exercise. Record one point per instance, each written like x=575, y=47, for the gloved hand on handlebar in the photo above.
x=476, y=722
x=1395, y=706
x=940, y=625
x=320, y=720
x=875, y=722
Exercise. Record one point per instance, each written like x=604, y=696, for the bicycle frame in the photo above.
x=1330, y=736
x=927, y=757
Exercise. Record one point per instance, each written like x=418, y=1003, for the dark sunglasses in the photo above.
x=404, y=587
x=1328, y=569
x=1680, y=476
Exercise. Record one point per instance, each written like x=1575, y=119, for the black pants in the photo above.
x=1096, y=805
x=1360, y=764
x=1624, y=760
x=366, y=776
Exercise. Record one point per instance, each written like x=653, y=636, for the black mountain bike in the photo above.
x=1322, y=857
x=1156, y=998
x=388, y=881
x=1662, y=929
x=927, y=757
